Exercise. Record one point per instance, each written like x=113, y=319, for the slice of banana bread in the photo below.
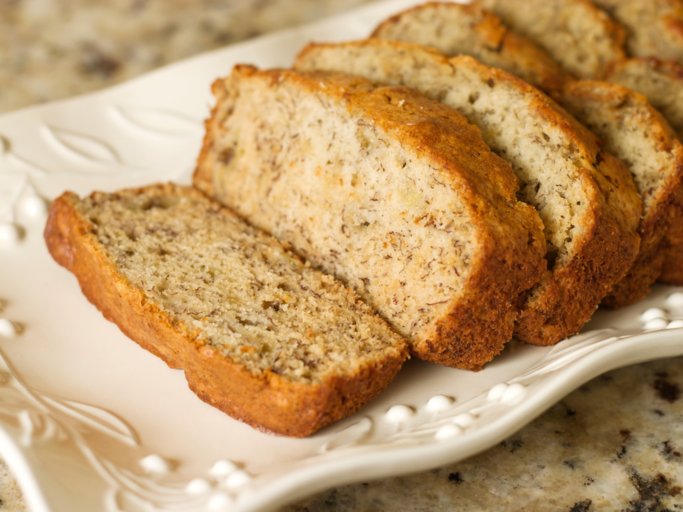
x=660, y=82
x=634, y=131
x=260, y=335
x=458, y=29
x=578, y=35
x=395, y=194
x=654, y=27
x=585, y=197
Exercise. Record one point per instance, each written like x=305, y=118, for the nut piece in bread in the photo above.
x=578, y=35
x=634, y=131
x=260, y=335
x=396, y=195
x=585, y=197
x=467, y=29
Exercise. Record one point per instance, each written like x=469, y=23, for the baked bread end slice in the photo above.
x=260, y=336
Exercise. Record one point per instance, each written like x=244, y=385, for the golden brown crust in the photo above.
x=631, y=111
x=475, y=329
x=662, y=83
x=484, y=37
x=268, y=402
x=491, y=30
x=672, y=267
x=606, y=240
x=511, y=244
x=567, y=297
x=476, y=325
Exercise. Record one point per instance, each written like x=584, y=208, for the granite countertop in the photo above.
x=614, y=444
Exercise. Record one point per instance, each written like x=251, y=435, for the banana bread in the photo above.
x=457, y=29
x=634, y=131
x=672, y=269
x=260, y=335
x=660, y=82
x=396, y=195
x=654, y=27
x=463, y=29
x=578, y=35
x=585, y=197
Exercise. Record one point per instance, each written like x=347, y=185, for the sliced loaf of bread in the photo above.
x=260, y=335
x=459, y=29
x=633, y=130
x=396, y=195
x=577, y=34
x=576, y=30
x=446, y=26
x=554, y=25
x=654, y=27
x=585, y=197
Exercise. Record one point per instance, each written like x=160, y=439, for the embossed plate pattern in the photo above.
x=91, y=422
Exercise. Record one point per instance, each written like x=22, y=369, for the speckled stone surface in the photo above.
x=616, y=444
x=51, y=49
x=11, y=498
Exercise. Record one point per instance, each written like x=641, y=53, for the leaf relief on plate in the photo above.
x=41, y=419
x=161, y=122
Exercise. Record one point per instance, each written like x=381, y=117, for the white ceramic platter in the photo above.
x=90, y=422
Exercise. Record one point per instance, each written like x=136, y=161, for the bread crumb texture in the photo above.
x=629, y=127
x=233, y=293
x=586, y=199
x=249, y=298
x=396, y=195
x=654, y=27
x=633, y=130
x=661, y=82
x=578, y=35
x=467, y=29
